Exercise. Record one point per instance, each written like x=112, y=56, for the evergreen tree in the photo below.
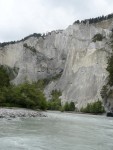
x=4, y=78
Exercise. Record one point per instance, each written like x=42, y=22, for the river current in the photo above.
x=58, y=131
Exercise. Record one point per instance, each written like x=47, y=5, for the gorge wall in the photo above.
x=72, y=53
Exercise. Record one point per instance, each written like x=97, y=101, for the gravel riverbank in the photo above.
x=19, y=112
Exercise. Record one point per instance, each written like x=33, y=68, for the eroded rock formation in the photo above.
x=71, y=52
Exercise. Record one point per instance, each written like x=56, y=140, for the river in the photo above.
x=58, y=131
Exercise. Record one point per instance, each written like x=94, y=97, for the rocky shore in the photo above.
x=19, y=112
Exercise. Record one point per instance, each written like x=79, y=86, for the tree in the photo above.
x=66, y=106
x=94, y=108
x=110, y=70
x=98, y=37
x=4, y=78
x=25, y=95
x=103, y=92
x=72, y=106
x=55, y=102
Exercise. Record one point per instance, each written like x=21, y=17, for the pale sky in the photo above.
x=19, y=18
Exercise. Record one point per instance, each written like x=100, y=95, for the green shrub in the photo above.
x=25, y=95
x=72, y=106
x=54, y=105
x=104, y=92
x=4, y=78
x=97, y=37
x=110, y=70
x=66, y=106
x=107, y=90
x=55, y=102
x=94, y=108
x=62, y=109
x=69, y=106
x=30, y=47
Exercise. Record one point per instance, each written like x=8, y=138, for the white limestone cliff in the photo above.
x=72, y=51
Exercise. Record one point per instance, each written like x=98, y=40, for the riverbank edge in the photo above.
x=13, y=112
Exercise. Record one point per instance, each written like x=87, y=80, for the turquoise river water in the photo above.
x=58, y=131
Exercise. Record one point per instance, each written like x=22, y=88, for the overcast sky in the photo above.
x=19, y=18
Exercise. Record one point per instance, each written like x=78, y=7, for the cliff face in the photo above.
x=85, y=73
x=71, y=52
x=36, y=58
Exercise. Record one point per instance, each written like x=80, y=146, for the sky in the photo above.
x=20, y=18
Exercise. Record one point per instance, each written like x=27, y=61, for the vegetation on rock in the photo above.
x=94, y=108
x=97, y=37
x=25, y=95
x=110, y=69
x=55, y=102
x=4, y=77
x=37, y=35
x=107, y=91
x=29, y=47
x=95, y=20
x=69, y=106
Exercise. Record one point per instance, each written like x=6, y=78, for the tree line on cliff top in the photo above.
x=94, y=20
